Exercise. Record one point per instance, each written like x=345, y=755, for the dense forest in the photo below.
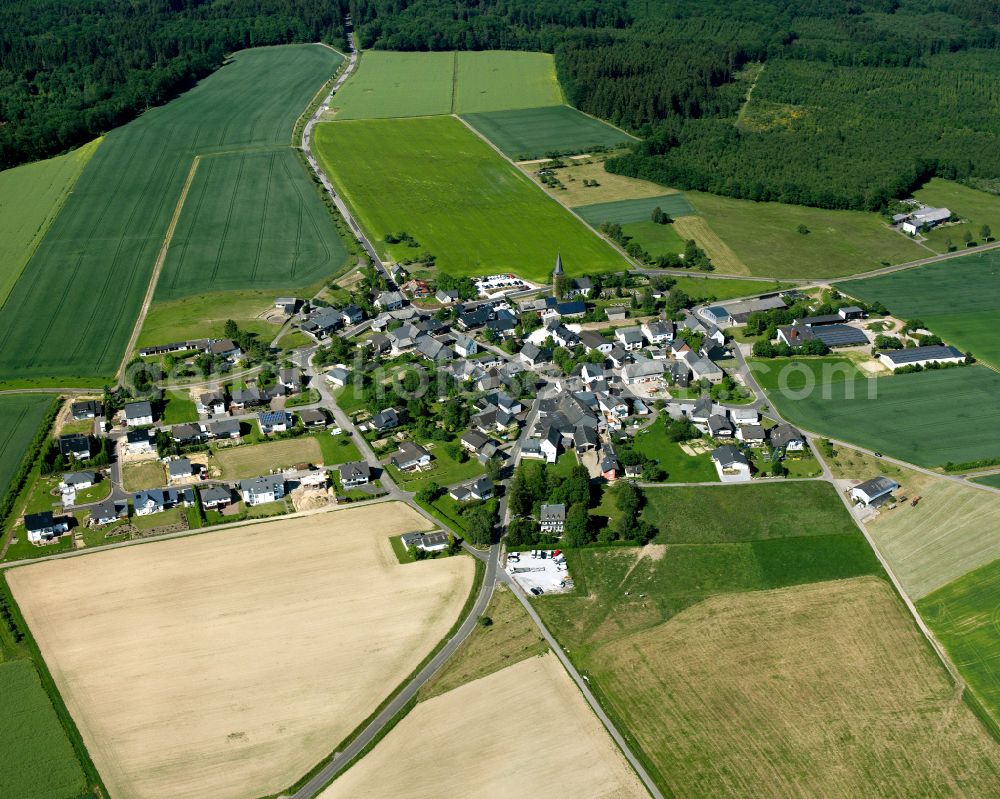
x=858, y=101
x=835, y=103
x=73, y=69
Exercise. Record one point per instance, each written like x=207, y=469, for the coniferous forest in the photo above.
x=834, y=103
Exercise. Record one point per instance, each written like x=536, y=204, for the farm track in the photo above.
x=158, y=266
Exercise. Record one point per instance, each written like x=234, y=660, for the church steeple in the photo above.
x=557, y=278
x=559, y=269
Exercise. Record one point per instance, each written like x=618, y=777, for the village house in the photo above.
x=157, y=500
x=354, y=473
x=140, y=442
x=211, y=403
x=224, y=428
x=389, y=300
x=385, y=420
x=479, y=489
x=187, y=433
x=425, y=542
x=630, y=338
x=86, y=409
x=731, y=464
x=138, y=414
x=274, y=422
x=313, y=417
x=74, y=445
x=786, y=438
x=466, y=346
x=658, y=332
x=78, y=481
x=261, y=490
x=752, y=434
x=533, y=355
x=552, y=519
x=410, y=456
x=289, y=306
x=108, y=511
x=215, y=497
x=225, y=348
x=179, y=469
x=43, y=527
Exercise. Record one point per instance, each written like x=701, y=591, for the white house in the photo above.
x=731, y=464
x=142, y=442
x=630, y=338
x=552, y=518
x=751, y=433
x=274, y=421
x=261, y=490
x=338, y=376
x=410, y=456
x=466, y=346
x=354, y=473
x=138, y=414
x=658, y=332
x=644, y=370
x=212, y=403
x=42, y=527
x=78, y=481
x=425, y=542
x=924, y=219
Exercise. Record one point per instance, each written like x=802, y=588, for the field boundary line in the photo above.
x=161, y=258
x=602, y=121
x=614, y=246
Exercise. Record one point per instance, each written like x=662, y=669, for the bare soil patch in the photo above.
x=227, y=664
x=523, y=731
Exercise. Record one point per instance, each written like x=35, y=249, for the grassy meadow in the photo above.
x=496, y=80
x=528, y=133
x=480, y=230
x=253, y=460
x=205, y=315
x=251, y=219
x=680, y=467
x=963, y=616
x=765, y=237
x=958, y=299
x=655, y=239
x=91, y=270
x=30, y=198
x=20, y=416
x=928, y=418
x=706, y=289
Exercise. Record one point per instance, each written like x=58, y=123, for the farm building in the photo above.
x=921, y=356
x=873, y=492
x=833, y=335
x=924, y=219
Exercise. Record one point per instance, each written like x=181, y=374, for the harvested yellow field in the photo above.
x=823, y=690
x=227, y=664
x=523, y=731
x=251, y=460
x=610, y=187
x=952, y=531
x=723, y=258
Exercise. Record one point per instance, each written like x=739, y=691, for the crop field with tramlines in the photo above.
x=73, y=309
x=20, y=416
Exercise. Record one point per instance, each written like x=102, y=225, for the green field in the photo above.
x=390, y=85
x=624, y=211
x=992, y=480
x=765, y=237
x=250, y=219
x=90, y=272
x=928, y=418
x=739, y=513
x=20, y=416
x=496, y=80
x=704, y=288
x=957, y=299
x=205, y=316
x=30, y=198
x=680, y=467
x=655, y=239
x=526, y=133
x=39, y=761
x=963, y=616
x=482, y=229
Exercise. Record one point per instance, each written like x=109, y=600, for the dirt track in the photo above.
x=228, y=664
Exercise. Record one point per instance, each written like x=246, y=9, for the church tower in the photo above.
x=558, y=278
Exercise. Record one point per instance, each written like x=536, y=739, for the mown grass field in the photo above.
x=39, y=761
x=528, y=133
x=680, y=467
x=30, y=198
x=481, y=230
x=604, y=186
x=928, y=418
x=20, y=416
x=90, y=272
x=388, y=84
x=817, y=690
x=765, y=237
x=703, y=288
x=392, y=85
x=964, y=617
x=957, y=299
x=952, y=531
x=205, y=315
x=638, y=210
x=253, y=460
x=250, y=219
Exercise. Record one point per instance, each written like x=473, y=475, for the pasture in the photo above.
x=900, y=415
x=522, y=731
x=655, y=239
x=480, y=230
x=963, y=616
x=388, y=84
x=721, y=254
x=205, y=315
x=951, y=532
x=225, y=683
x=251, y=460
x=20, y=416
x=841, y=693
x=638, y=210
x=958, y=299
x=765, y=237
x=251, y=219
x=527, y=133
x=30, y=198
x=90, y=272
x=39, y=761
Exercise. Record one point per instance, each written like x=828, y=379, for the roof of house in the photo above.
x=389, y=298
x=38, y=521
x=109, y=509
x=385, y=418
x=312, y=416
x=185, y=432
x=752, y=432
x=76, y=478
x=215, y=494
x=728, y=455
x=272, y=418
x=784, y=434
x=553, y=513
x=474, y=439
x=137, y=436
x=138, y=410
x=409, y=452
x=916, y=354
x=224, y=427
x=181, y=467
x=353, y=469
x=877, y=486
x=816, y=321
x=264, y=484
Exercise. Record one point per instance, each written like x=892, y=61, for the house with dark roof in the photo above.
x=224, y=428
x=261, y=490
x=78, y=481
x=385, y=420
x=921, y=356
x=719, y=426
x=731, y=464
x=215, y=497
x=533, y=355
x=390, y=300
x=354, y=473
x=179, y=469
x=211, y=402
x=874, y=492
x=138, y=414
x=410, y=456
x=274, y=422
x=786, y=438
x=43, y=527
x=86, y=409
x=479, y=489
x=313, y=417
x=187, y=433
x=108, y=511
x=552, y=518
x=74, y=445
x=425, y=542
x=157, y=500
x=833, y=335
x=140, y=442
